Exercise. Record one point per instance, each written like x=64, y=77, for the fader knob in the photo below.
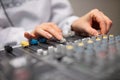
x=67, y=60
x=42, y=40
x=24, y=43
x=39, y=51
x=33, y=42
x=51, y=50
x=8, y=49
x=70, y=50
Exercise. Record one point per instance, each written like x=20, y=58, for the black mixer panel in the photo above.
x=75, y=58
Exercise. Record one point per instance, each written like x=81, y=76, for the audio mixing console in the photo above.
x=76, y=58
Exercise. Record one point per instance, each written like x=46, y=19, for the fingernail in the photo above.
x=49, y=36
x=63, y=40
x=60, y=33
x=60, y=37
x=96, y=34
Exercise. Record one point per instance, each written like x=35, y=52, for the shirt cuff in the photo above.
x=65, y=25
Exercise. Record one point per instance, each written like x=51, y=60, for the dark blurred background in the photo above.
x=111, y=8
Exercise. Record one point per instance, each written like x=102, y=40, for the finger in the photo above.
x=29, y=36
x=91, y=31
x=50, y=26
x=103, y=27
x=56, y=27
x=99, y=18
x=108, y=21
x=53, y=32
x=44, y=33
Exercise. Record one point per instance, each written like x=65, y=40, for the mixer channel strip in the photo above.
x=90, y=58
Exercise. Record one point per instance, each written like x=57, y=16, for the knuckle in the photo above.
x=94, y=10
x=52, y=30
x=37, y=27
x=48, y=28
x=43, y=24
x=109, y=23
x=103, y=22
x=51, y=24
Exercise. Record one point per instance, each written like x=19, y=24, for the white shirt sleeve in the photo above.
x=62, y=14
x=65, y=25
x=11, y=34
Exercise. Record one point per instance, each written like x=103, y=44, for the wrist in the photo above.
x=74, y=24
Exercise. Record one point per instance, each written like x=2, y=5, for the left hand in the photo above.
x=47, y=30
x=91, y=22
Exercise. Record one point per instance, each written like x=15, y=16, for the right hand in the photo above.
x=93, y=23
x=47, y=30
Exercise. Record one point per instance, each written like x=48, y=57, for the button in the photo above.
x=51, y=50
x=89, y=41
x=33, y=42
x=117, y=38
x=42, y=40
x=90, y=44
x=63, y=40
x=45, y=53
x=111, y=35
x=39, y=51
x=99, y=36
x=72, y=33
x=93, y=38
x=80, y=44
x=105, y=37
x=77, y=41
x=58, y=52
x=67, y=60
x=98, y=39
x=61, y=49
x=69, y=47
x=97, y=42
x=70, y=50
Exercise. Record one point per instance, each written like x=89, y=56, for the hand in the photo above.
x=47, y=30
x=92, y=22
